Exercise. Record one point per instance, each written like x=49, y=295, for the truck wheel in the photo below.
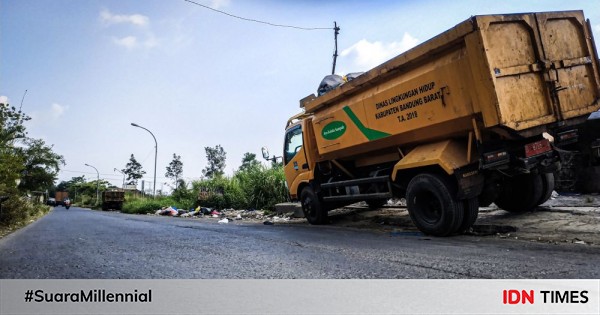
x=432, y=207
x=547, y=187
x=520, y=193
x=471, y=208
x=313, y=208
x=376, y=203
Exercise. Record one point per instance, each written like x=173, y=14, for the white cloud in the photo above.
x=128, y=42
x=365, y=55
x=131, y=42
x=48, y=115
x=216, y=4
x=136, y=19
x=57, y=110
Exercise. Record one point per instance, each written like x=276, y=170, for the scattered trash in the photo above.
x=268, y=223
x=483, y=230
x=169, y=211
x=238, y=217
x=215, y=215
x=578, y=241
x=224, y=221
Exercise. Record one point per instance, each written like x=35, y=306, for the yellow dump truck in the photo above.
x=472, y=116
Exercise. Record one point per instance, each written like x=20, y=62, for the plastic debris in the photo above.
x=268, y=223
x=238, y=217
x=329, y=83
x=224, y=221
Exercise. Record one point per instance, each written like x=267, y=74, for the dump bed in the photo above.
x=113, y=195
x=515, y=72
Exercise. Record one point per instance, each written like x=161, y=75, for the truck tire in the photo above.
x=520, y=193
x=431, y=205
x=547, y=187
x=313, y=208
x=471, y=208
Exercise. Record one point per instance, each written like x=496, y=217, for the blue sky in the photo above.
x=195, y=77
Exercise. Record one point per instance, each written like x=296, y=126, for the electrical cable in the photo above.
x=258, y=21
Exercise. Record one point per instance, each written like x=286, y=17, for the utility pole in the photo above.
x=336, y=30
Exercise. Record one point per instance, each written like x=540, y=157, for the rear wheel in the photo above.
x=547, y=187
x=520, y=193
x=312, y=206
x=431, y=205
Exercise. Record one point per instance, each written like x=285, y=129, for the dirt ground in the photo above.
x=568, y=220
x=563, y=219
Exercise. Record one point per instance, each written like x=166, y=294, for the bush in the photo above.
x=18, y=210
x=256, y=187
x=264, y=187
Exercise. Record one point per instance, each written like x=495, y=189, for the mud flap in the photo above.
x=470, y=181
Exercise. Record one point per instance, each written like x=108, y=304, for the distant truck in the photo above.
x=475, y=115
x=60, y=197
x=113, y=199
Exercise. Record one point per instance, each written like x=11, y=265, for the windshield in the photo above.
x=293, y=143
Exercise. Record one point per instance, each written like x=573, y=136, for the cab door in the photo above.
x=294, y=157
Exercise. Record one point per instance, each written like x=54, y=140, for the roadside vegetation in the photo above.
x=257, y=187
x=28, y=167
x=252, y=186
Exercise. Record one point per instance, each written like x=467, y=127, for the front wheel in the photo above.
x=431, y=205
x=312, y=206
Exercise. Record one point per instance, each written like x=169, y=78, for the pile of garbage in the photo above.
x=224, y=216
x=332, y=81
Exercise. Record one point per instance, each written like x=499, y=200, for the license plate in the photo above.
x=537, y=147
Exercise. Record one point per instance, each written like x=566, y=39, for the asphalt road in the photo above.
x=81, y=243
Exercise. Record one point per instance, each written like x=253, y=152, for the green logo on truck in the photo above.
x=334, y=130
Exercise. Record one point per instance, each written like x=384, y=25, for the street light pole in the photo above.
x=155, y=155
x=123, y=186
x=97, y=182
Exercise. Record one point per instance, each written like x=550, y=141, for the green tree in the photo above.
x=216, y=161
x=175, y=169
x=41, y=165
x=11, y=125
x=133, y=170
x=249, y=162
x=277, y=163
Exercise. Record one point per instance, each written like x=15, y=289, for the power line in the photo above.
x=258, y=21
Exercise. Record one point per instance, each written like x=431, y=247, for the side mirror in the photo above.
x=265, y=153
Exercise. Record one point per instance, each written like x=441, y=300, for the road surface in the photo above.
x=82, y=243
